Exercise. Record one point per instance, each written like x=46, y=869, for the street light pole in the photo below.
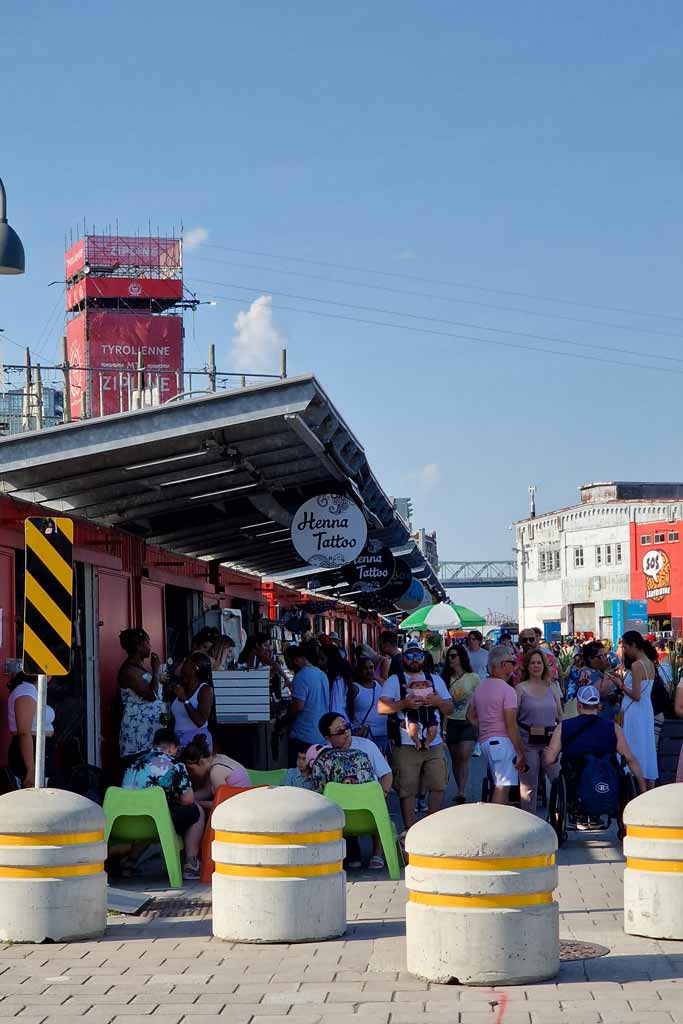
x=12, y=260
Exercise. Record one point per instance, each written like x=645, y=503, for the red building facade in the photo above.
x=657, y=572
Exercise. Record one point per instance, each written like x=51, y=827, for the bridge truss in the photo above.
x=477, y=574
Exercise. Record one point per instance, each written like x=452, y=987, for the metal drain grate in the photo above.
x=177, y=906
x=580, y=950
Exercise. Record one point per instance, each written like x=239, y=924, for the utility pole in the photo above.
x=26, y=397
x=532, y=501
x=66, y=372
x=39, y=398
x=212, y=367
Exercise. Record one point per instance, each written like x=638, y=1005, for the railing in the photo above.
x=478, y=574
x=33, y=396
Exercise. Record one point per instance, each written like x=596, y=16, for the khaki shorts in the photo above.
x=419, y=771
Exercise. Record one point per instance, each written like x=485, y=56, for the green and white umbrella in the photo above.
x=436, y=616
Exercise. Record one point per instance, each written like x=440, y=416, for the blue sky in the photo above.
x=528, y=147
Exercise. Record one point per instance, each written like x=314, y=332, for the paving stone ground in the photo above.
x=171, y=969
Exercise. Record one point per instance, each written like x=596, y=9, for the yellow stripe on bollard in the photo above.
x=481, y=863
x=286, y=871
x=653, y=832
x=481, y=902
x=643, y=864
x=282, y=839
x=52, y=839
x=44, y=871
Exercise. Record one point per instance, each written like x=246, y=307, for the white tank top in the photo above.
x=27, y=689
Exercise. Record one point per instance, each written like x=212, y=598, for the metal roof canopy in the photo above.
x=216, y=477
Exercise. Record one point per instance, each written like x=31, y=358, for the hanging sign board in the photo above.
x=395, y=589
x=329, y=531
x=48, y=596
x=373, y=569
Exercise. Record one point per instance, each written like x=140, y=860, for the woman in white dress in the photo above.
x=639, y=719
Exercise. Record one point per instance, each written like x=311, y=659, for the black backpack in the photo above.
x=599, y=785
x=662, y=703
x=394, y=723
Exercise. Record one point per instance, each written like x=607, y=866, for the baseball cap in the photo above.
x=313, y=752
x=588, y=695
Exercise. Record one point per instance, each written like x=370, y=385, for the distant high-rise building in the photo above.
x=13, y=410
x=426, y=542
x=404, y=507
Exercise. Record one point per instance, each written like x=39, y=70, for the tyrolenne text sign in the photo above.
x=373, y=569
x=329, y=530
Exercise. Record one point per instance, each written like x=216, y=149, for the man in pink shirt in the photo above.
x=493, y=709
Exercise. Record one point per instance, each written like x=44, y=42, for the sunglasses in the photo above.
x=341, y=732
x=454, y=655
x=413, y=655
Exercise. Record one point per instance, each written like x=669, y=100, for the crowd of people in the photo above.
x=387, y=716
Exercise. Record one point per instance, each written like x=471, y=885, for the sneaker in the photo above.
x=353, y=865
x=421, y=804
x=191, y=869
x=376, y=863
x=477, y=750
x=582, y=823
x=595, y=823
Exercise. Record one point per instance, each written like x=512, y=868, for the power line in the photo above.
x=448, y=284
x=242, y=301
x=445, y=298
x=439, y=320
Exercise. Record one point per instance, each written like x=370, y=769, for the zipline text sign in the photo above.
x=329, y=531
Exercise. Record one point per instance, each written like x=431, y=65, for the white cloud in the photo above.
x=406, y=254
x=258, y=340
x=194, y=237
x=430, y=474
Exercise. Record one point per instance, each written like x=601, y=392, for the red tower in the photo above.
x=124, y=301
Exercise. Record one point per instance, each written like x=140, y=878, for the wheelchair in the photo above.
x=561, y=805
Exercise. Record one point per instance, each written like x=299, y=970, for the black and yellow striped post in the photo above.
x=48, y=598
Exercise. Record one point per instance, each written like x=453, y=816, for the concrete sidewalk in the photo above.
x=150, y=968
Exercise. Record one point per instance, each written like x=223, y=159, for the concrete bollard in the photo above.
x=52, y=879
x=480, y=907
x=278, y=872
x=653, y=879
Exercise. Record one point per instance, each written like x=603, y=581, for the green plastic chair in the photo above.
x=142, y=815
x=365, y=807
x=273, y=778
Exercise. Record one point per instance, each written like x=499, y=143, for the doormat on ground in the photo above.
x=182, y=905
x=580, y=950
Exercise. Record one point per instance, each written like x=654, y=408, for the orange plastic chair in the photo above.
x=222, y=793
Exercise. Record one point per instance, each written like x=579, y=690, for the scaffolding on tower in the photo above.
x=124, y=332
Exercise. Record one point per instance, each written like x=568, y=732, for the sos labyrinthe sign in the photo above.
x=329, y=531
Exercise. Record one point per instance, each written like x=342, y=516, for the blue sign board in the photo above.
x=628, y=615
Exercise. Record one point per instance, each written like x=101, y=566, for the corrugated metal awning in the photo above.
x=217, y=477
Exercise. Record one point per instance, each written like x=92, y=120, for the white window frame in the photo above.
x=578, y=557
x=542, y=561
x=660, y=538
x=673, y=537
x=608, y=554
x=598, y=555
x=645, y=539
x=556, y=561
x=618, y=554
